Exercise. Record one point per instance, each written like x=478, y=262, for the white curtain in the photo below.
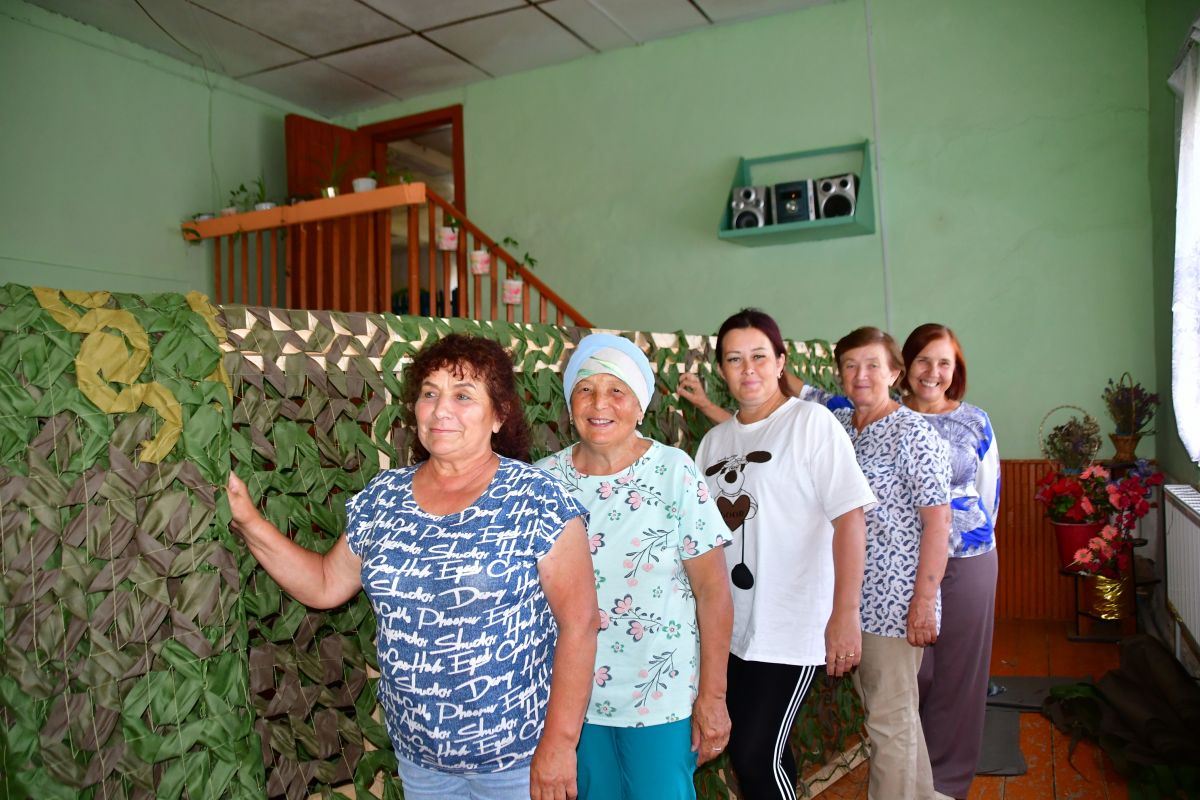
x=1185, y=306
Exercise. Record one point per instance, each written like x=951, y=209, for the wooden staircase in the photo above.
x=336, y=253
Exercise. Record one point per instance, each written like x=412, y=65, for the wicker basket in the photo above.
x=1086, y=457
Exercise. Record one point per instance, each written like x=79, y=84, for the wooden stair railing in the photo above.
x=336, y=254
x=483, y=297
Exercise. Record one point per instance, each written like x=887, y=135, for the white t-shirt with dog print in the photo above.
x=779, y=483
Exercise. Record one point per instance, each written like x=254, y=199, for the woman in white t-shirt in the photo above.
x=786, y=481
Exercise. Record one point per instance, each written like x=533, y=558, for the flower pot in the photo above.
x=1125, y=446
x=481, y=262
x=329, y=191
x=447, y=238
x=1073, y=536
x=364, y=184
x=514, y=288
x=1107, y=598
x=228, y=211
x=264, y=206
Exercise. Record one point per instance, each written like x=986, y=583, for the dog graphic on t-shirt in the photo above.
x=737, y=506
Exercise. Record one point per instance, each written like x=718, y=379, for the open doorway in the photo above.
x=425, y=148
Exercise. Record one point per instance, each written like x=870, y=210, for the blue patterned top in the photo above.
x=974, y=478
x=974, y=471
x=908, y=467
x=465, y=635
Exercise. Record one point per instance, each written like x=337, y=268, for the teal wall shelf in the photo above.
x=861, y=223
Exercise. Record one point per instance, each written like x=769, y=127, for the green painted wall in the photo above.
x=106, y=147
x=1012, y=140
x=1013, y=143
x=1168, y=22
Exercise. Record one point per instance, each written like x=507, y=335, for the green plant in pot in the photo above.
x=447, y=233
x=337, y=171
x=1073, y=444
x=1131, y=409
x=240, y=200
x=258, y=198
x=366, y=183
x=514, y=286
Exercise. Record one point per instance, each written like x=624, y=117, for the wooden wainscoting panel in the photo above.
x=1029, y=585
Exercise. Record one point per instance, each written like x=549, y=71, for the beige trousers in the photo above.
x=886, y=680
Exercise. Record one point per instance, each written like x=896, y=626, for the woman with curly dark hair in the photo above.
x=478, y=569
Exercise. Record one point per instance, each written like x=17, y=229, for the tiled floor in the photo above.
x=1032, y=647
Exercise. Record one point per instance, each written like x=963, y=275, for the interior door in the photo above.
x=343, y=264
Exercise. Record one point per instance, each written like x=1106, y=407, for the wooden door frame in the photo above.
x=406, y=127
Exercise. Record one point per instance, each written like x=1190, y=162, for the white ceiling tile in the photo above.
x=422, y=14
x=646, y=21
x=204, y=39
x=121, y=18
x=730, y=10
x=406, y=67
x=315, y=28
x=589, y=23
x=319, y=87
x=510, y=42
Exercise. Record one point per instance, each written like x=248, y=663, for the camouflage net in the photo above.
x=145, y=652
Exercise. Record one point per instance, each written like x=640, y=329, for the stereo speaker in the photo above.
x=793, y=202
x=836, y=195
x=750, y=207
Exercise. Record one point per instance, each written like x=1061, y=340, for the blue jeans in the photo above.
x=421, y=783
x=651, y=763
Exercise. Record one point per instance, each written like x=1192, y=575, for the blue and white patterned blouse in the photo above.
x=974, y=478
x=974, y=471
x=465, y=635
x=908, y=466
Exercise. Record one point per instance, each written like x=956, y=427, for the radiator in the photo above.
x=1181, y=523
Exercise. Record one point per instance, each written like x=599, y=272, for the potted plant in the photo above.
x=337, y=169
x=1105, y=560
x=481, y=261
x=367, y=183
x=259, y=198
x=514, y=286
x=239, y=200
x=1131, y=408
x=397, y=177
x=1081, y=506
x=447, y=233
x=1073, y=444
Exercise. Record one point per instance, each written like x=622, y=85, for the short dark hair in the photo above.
x=759, y=320
x=920, y=338
x=485, y=359
x=868, y=335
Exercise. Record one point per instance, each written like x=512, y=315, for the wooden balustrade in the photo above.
x=483, y=297
x=336, y=254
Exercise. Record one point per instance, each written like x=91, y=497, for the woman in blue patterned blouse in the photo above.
x=906, y=462
x=477, y=567
x=954, y=672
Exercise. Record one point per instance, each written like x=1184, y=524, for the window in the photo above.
x=1185, y=305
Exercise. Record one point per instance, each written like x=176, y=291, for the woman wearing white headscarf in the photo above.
x=658, y=701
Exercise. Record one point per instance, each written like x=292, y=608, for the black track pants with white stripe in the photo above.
x=763, y=700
